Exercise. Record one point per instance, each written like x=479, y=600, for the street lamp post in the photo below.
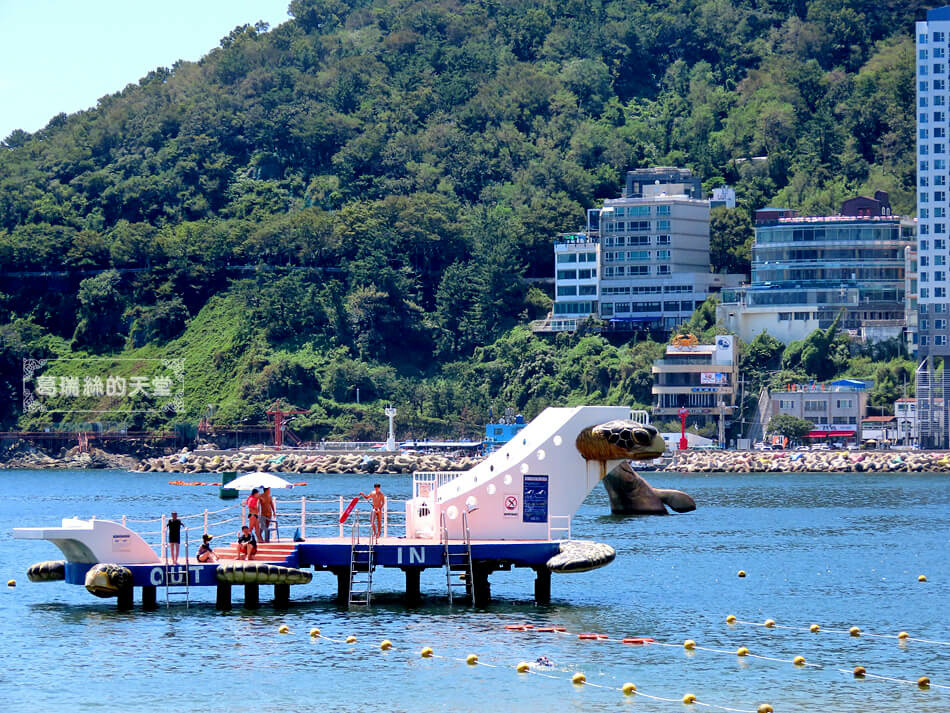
x=684, y=414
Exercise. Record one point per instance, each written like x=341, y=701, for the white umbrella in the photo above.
x=258, y=480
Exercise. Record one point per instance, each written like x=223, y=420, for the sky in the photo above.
x=64, y=55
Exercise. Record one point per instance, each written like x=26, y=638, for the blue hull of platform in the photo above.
x=325, y=556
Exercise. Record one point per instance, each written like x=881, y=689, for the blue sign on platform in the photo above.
x=535, y=501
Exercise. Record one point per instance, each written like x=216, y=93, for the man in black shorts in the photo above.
x=174, y=536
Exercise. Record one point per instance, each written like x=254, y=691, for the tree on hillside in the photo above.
x=792, y=427
x=100, y=313
x=730, y=240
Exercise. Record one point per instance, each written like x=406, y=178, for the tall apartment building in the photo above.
x=807, y=270
x=643, y=262
x=933, y=323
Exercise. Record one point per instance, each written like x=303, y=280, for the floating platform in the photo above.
x=513, y=509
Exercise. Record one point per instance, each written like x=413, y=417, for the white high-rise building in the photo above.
x=932, y=181
x=933, y=323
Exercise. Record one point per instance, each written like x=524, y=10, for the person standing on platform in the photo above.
x=268, y=513
x=378, y=499
x=253, y=503
x=174, y=536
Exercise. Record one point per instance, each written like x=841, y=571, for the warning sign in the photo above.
x=511, y=503
x=535, y=498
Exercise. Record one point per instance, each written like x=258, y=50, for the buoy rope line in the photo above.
x=853, y=631
x=746, y=654
x=523, y=667
x=689, y=644
x=865, y=674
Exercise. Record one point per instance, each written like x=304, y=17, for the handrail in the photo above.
x=554, y=528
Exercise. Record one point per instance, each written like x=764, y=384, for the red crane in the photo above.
x=278, y=415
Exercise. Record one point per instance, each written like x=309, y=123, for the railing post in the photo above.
x=340, y=517
x=161, y=535
x=386, y=518
x=206, y=521
x=303, y=516
x=123, y=520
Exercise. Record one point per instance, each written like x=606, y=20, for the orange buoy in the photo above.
x=588, y=637
x=299, y=485
x=514, y=627
x=559, y=628
x=545, y=629
x=602, y=637
x=637, y=641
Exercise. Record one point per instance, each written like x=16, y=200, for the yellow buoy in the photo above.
x=689, y=698
x=923, y=682
x=385, y=644
x=903, y=635
x=731, y=619
x=859, y=671
x=426, y=652
x=814, y=628
x=689, y=644
x=351, y=639
x=764, y=708
x=742, y=573
x=769, y=623
x=471, y=659
x=11, y=582
x=314, y=632
x=284, y=629
x=854, y=631
x=628, y=689
x=742, y=651
x=579, y=678
x=922, y=578
x=523, y=667
x=799, y=660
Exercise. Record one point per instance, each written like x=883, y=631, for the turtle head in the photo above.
x=620, y=440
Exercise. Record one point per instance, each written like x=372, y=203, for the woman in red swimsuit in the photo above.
x=254, y=513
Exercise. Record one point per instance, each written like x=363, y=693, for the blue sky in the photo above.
x=63, y=55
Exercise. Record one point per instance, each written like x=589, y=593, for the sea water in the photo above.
x=833, y=550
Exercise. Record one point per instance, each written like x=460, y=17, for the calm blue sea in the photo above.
x=835, y=550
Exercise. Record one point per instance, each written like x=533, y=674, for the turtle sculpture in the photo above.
x=49, y=571
x=629, y=493
x=107, y=580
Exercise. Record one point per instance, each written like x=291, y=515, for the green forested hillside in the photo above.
x=358, y=195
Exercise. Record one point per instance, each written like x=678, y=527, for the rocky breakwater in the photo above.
x=25, y=456
x=186, y=462
x=810, y=462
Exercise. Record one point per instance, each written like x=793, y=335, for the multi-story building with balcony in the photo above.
x=643, y=262
x=808, y=270
x=701, y=378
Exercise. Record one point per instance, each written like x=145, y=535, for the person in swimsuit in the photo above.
x=378, y=500
x=174, y=536
x=254, y=513
x=247, y=545
x=268, y=513
x=205, y=553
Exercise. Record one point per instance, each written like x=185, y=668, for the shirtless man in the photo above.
x=254, y=513
x=378, y=500
x=268, y=513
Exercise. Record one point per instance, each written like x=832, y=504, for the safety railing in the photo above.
x=300, y=517
x=559, y=527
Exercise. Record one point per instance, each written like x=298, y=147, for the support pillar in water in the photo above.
x=223, y=600
x=252, y=596
x=149, y=598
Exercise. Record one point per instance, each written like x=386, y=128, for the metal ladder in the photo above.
x=361, y=562
x=458, y=560
x=179, y=588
